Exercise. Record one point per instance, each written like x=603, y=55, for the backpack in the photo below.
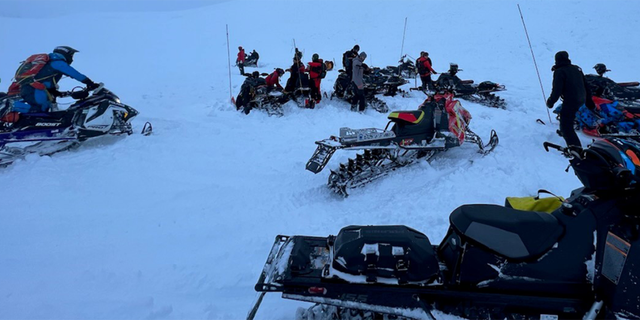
x=323, y=72
x=421, y=67
x=29, y=68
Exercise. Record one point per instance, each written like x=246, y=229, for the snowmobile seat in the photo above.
x=407, y=117
x=514, y=234
x=385, y=251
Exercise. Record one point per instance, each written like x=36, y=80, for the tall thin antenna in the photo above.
x=403, y=34
x=544, y=96
x=229, y=65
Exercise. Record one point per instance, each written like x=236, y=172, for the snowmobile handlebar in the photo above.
x=569, y=152
x=82, y=93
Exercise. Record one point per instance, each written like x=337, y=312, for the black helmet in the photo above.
x=66, y=52
x=453, y=68
x=601, y=68
x=256, y=74
x=356, y=48
x=315, y=57
x=280, y=71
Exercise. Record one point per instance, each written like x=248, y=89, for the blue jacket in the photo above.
x=55, y=69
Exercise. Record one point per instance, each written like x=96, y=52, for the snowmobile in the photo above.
x=45, y=133
x=254, y=94
x=251, y=59
x=482, y=93
x=495, y=262
x=344, y=89
x=386, y=82
x=626, y=92
x=406, y=68
x=601, y=86
x=609, y=119
x=440, y=123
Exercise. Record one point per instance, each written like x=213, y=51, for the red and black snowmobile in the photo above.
x=440, y=123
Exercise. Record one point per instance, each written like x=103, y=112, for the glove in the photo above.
x=90, y=84
x=79, y=95
x=549, y=104
x=435, y=72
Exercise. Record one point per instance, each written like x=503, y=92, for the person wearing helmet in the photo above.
x=601, y=69
x=570, y=84
x=317, y=71
x=425, y=70
x=450, y=80
x=273, y=80
x=240, y=59
x=40, y=90
x=357, y=77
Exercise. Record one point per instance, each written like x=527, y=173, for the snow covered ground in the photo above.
x=178, y=225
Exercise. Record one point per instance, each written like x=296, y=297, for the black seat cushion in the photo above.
x=511, y=233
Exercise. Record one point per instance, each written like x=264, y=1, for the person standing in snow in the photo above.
x=240, y=59
x=425, y=70
x=317, y=71
x=569, y=84
x=296, y=72
x=357, y=77
x=347, y=59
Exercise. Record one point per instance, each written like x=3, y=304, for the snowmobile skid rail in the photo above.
x=307, y=277
x=372, y=164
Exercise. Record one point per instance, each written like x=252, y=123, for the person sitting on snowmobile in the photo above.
x=41, y=89
x=273, y=79
x=317, y=71
x=451, y=80
x=425, y=70
x=247, y=91
x=357, y=76
x=347, y=59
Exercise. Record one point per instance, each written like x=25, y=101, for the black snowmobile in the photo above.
x=251, y=60
x=495, y=262
x=386, y=81
x=482, y=93
x=626, y=92
x=344, y=89
x=254, y=94
x=45, y=133
x=439, y=124
x=406, y=68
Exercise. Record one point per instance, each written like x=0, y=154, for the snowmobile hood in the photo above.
x=413, y=117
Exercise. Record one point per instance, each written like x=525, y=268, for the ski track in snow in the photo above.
x=178, y=225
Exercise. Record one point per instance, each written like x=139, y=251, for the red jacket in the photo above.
x=426, y=63
x=273, y=80
x=315, y=68
x=240, y=56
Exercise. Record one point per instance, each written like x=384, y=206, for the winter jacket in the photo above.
x=358, y=72
x=241, y=57
x=424, y=66
x=57, y=67
x=273, y=80
x=315, y=69
x=570, y=85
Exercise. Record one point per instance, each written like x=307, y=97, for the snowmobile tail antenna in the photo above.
x=403, y=34
x=229, y=65
x=534, y=62
x=299, y=62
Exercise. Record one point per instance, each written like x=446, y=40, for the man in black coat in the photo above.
x=570, y=85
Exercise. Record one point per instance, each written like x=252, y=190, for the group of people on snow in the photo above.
x=36, y=81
